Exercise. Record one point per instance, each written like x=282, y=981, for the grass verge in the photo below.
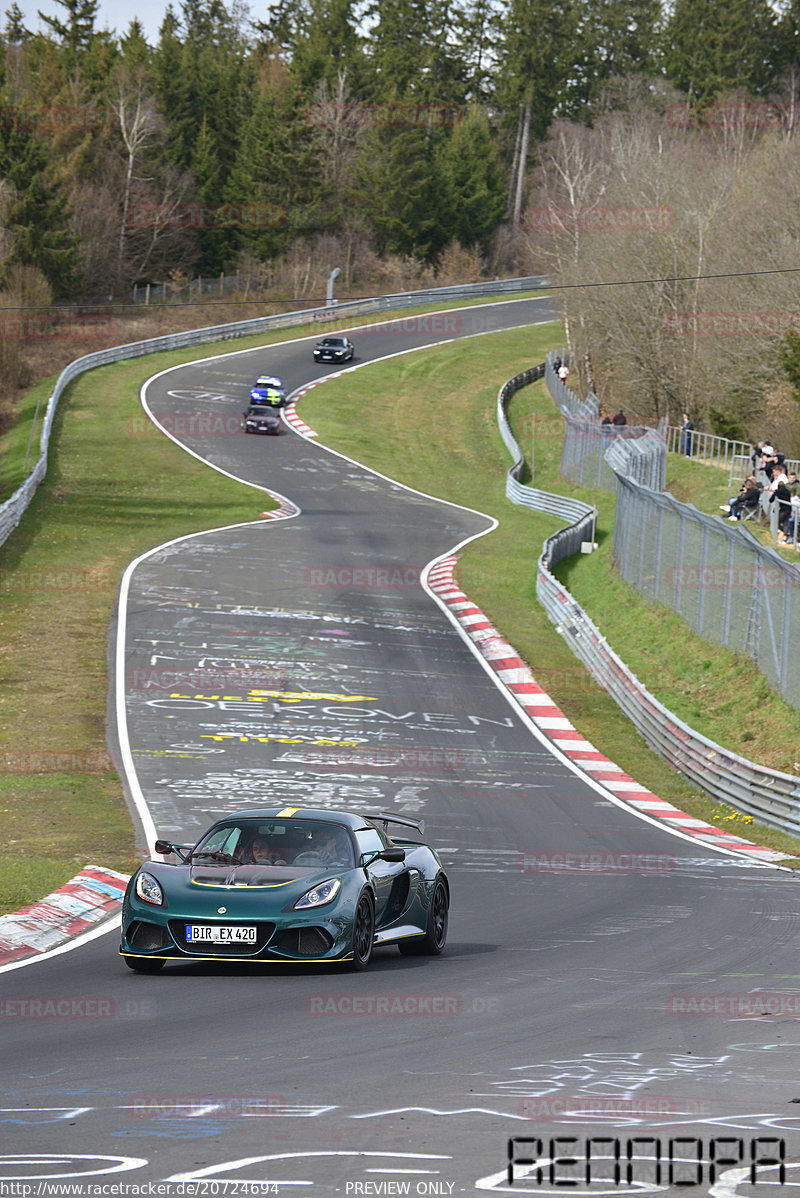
x=452, y=447
x=113, y=490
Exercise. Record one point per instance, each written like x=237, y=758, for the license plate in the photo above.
x=203, y=934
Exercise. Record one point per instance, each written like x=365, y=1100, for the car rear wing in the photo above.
x=388, y=817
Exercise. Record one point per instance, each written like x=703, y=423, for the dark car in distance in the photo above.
x=334, y=349
x=261, y=420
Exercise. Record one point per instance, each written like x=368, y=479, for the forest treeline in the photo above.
x=352, y=132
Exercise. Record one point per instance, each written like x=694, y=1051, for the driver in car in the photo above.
x=263, y=853
x=332, y=849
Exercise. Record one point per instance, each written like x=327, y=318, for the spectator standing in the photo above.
x=783, y=497
x=686, y=435
x=768, y=461
x=606, y=428
x=563, y=372
x=793, y=487
x=619, y=420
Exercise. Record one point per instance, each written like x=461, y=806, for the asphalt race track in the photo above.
x=646, y=1000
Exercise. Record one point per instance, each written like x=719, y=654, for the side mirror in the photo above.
x=393, y=855
x=166, y=846
x=386, y=855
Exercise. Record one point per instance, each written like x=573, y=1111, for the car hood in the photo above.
x=227, y=876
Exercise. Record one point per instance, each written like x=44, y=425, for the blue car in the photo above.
x=268, y=390
x=287, y=885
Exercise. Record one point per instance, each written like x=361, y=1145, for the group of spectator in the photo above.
x=619, y=421
x=768, y=484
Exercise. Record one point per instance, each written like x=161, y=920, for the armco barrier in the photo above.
x=11, y=511
x=581, y=516
x=769, y=796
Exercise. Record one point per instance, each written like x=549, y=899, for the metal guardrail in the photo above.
x=582, y=516
x=12, y=510
x=768, y=795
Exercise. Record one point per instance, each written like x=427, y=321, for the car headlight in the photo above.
x=148, y=889
x=320, y=895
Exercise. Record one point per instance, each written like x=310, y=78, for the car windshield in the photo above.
x=264, y=413
x=303, y=843
x=333, y=342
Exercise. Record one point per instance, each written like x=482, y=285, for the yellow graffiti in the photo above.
x=282, y=740
x=297, y=696
x=259, y=696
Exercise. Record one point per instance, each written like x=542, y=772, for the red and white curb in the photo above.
x=90, y=897
x=290, y=411
x=282, y=512
x=551, y=721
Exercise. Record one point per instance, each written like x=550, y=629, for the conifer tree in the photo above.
x=400, y=192
x=717, y=46
x=473, y=182
x=14, y=31
x=76, y=30
x=36, y=215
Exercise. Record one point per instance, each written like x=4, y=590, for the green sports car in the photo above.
x=287, y=885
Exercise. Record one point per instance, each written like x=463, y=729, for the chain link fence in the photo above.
x=768, y=795
x=585, y=461
x=729, y=588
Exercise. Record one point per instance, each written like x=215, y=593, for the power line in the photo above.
x=313, y=301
